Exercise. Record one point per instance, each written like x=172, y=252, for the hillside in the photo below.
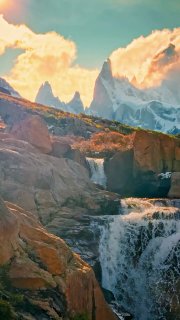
x=141, y=155
x=46, y=162
x=12, y=109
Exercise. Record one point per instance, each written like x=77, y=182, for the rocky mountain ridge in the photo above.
x=53, y=282
x=118, y=99
x=45, y=96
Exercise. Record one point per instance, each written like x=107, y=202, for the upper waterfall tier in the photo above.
x=98, y=175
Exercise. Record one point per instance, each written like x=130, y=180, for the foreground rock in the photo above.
x=57, y=190
x=41, y=183
x=137, y=171
x=33, y=130
x=54, y=282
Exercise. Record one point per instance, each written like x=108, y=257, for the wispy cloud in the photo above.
x=46, y=56
x=148, y=60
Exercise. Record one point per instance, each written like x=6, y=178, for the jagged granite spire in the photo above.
x=106, y=71
x=45, y=96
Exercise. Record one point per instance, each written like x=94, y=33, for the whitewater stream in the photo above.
x=140, y=257
x=139, y=253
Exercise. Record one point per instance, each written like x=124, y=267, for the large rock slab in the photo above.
x=119, y=171
x=33, y=130
x=60, y=148
x=40, y=183
x=137, y=172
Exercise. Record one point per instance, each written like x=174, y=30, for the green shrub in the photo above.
x=6, y=311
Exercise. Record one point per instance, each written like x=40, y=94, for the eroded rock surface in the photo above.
x=43, y=268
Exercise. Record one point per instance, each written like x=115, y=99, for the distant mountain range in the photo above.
x=45, y=96
x=118, y=99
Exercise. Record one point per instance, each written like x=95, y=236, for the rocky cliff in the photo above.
x=143, y=169
x=40, y=277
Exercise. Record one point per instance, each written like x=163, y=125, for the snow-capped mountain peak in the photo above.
x=45, y=96
x=155, y=108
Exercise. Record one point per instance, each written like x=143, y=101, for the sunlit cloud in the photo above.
x=147, y=61
x=46, y=56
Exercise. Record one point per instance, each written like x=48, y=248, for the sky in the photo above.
x=84, y=34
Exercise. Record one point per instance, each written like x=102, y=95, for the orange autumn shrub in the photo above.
x=105, y=141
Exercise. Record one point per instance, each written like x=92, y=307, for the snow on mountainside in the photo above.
x=45, y=96
x=6, y=88
x=118, y=99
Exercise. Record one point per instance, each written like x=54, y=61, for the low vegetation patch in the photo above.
x=6, y=311
x=105, y=142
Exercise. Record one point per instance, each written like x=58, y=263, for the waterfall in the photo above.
x=97, y=171
x=140, y=258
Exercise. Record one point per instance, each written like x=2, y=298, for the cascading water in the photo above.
x=140, y=258
x=97, y=171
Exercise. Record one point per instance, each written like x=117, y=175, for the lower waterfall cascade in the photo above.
x=98, y=175
x=140, y=258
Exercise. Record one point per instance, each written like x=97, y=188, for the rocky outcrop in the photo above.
x=137, y=172
x=38, y=182
x=51, y=279
x=33, y=130
x=155, y=152
x=60, y=148
x=119, y=171
x=77, y=156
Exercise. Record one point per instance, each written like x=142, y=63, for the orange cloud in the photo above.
x=46, y=56
x=147, y=61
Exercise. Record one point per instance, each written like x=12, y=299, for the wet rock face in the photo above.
x=174, y=191
x=45, y=271
x=75, y=223
x=119, y=171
